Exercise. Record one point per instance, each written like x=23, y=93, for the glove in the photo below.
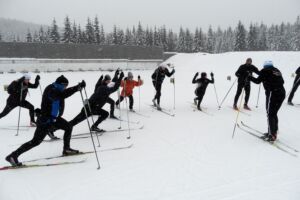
x=121, y=75
x=212, y=74
x=139, y=77
x=37, y=78
x=197, y=74
x=81, y=85
x=117, y=72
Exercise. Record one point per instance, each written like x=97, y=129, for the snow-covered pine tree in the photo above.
x=140, y=35
x=296, y=35
x=74, y=36
x=41, y=35
x=148, y=37
x=67, y=35
x=262, y=38
x=89, y=31
x=240, y=38
x=55, y=37
x=128, y=40
x=97, y=31
x=163, y=37
x=188, y=41
x=171, y=41
x=218, y=40
x=210, y=42
x=102, y=35
x=35, y=37
x=252, y=38
x=199, y=41
x=28, y=36
x=115, y=35
x=156, y=37
x=181, y=41
x=120, y=36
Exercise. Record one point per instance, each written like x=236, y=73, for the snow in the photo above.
x=189, y=156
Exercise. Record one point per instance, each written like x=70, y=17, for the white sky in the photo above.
x=172, y=13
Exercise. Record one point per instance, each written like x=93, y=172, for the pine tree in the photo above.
x=148, y=37
x=181, y=41
x=218, y=40
x=67, y=35
x=296, y=35
x=262, y=40
x=188, y=41
x=140, y=35
x=120, y=37
x=198, y=41
x=35, y=37
x=102, y=35
x=156, y=38
x=55, y=37
x=210, y=43
x=97, y=31
x=90, y=35
x=48, y=35
x=0, y=37
x=41, y=36
x=74, y=36
x=240, y=39
x=171, y=41
x=128, y=40
x=28, y=36
x=115, y=35
x=163, y=37
x=252, y=38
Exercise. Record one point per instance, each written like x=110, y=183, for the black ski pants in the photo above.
x=200, y=95
x=130, y=101
x=239, y=90
x=157, y=87
x=103, y=114
x=41, y=132
x=295, y=87
x=112, y=105
x=274, y=100
x=24, y=104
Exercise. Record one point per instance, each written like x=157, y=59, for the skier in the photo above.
x=97, y=101
x=273, y=82
x=128, y=84
x=157, y=79
x=109, y=100
x=18, y=90
x=50, y=116
x=202, y=84
x=244, y=83
x=295, y=87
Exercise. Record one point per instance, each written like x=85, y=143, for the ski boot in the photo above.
x=112, y=116
x=131, y=110
x=158, y=107
x=52, y=136
x=32, y=124
x=290, y=103
x=235, y=107
x=154, y=103
x=246, y=107
x=13, y=160
x=69, y=152
x=199, y=108
x=96, y=129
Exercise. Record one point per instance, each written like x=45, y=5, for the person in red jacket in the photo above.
x=128, y=84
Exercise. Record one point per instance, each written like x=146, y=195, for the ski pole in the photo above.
x=86, y=114
x=227, y=94
x=258, y=96
x=129, y=136
x=120, y=117
x=238, y=113
x=41, y=89
x=216, y=95
x=18, y=128
x=88, y=103
x=139, y=95
x=174, y=89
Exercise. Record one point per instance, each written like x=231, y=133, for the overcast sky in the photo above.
x=172, y=13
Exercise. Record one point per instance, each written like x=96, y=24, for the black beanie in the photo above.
x=62, y=80
x=107, y=77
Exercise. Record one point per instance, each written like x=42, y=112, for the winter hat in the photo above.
x=27, y=76
x=268, y=63
x=107, y=77
x=62, y=80
x=203, y=74
x=130, y=75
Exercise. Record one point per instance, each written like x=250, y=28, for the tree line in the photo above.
x=258, y=37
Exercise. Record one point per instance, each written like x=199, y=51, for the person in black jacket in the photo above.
x=109, y=100
x=273, y=82
x=17, y=98
x=97, y=101
x=243, y=82
x=157, y=79
x=202, y=84
x=50, y=117
x=295, y=87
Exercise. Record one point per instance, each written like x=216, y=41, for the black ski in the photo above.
x=82, y=153
x=261, y=133
x=271, y=143
x=41, y=165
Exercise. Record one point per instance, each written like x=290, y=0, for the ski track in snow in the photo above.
x=189, y=156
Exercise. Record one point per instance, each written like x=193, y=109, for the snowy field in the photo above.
x=189, y=156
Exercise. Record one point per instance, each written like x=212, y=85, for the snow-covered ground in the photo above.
x=189, y=156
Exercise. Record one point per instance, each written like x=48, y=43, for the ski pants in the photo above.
x=24, y=104
x=239, y=90
x=157, y=87
x=274, y=100
x=112, y=105
x=41, y=132
x=295, y=87
x=200, y=95
x=130, y=101
x=103, y=114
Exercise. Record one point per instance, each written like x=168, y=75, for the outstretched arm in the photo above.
x=194, y=79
